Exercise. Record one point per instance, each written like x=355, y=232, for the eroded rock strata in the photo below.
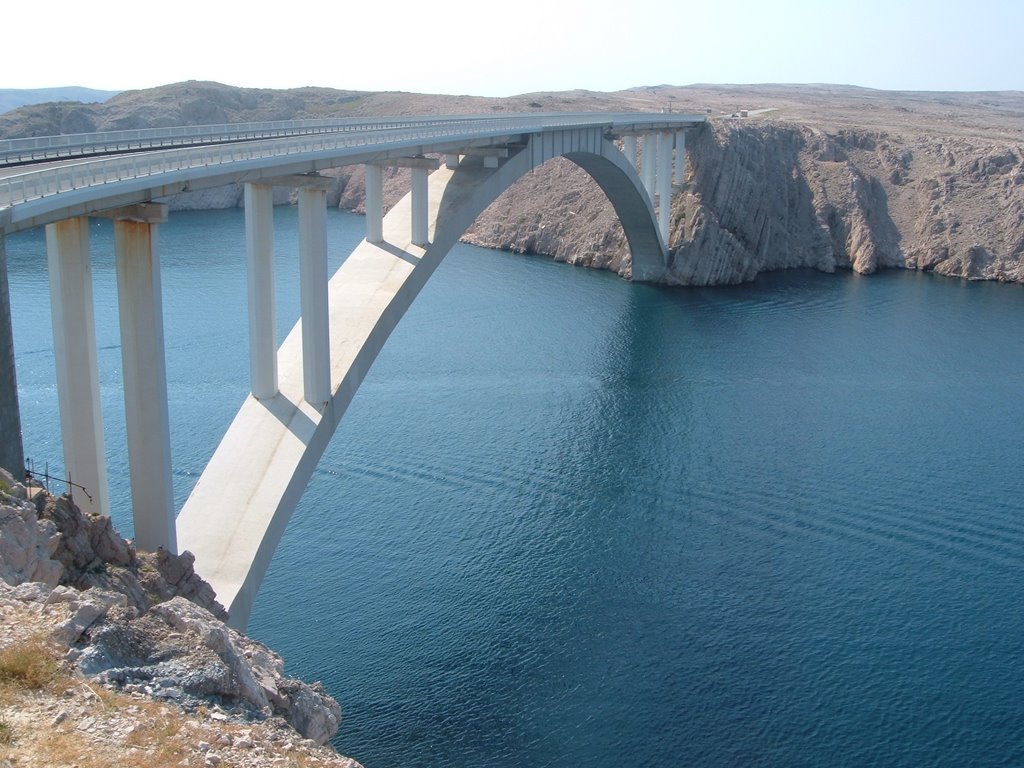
x=762, y=196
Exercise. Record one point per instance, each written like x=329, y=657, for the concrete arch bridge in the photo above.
x=300, y=390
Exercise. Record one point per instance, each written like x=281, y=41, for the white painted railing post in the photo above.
x=374, y=204
x=649, y=163
x=75, y=356
x=259, y=236
x=316, y=349
x=420, y=234
x=664, y=184
x=680, y=158
x=145, y=374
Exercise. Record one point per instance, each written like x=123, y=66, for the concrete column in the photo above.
x=680, y=158
x=664, y=184
x=374, y=204
x=629, y=149
x=12, y=456
x=316, y=349
x=451, y=162
x=74, y=347
x=145, y=374
x=420, y=234
x=259, y=238
x=649, y=163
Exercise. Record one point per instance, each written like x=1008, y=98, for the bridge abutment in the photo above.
x=140, y=307
x=12, y=457
x=75, y=357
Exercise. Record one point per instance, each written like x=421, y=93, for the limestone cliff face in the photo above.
x=762, y=196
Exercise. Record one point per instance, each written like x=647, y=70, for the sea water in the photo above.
x=573, y=521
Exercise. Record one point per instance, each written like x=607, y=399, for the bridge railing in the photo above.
x=38, y=148
x=447, y=130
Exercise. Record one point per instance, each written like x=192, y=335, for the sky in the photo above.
x=500, y=48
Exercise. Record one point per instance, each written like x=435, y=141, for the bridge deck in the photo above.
x=75, y=187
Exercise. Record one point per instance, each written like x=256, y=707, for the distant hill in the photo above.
x=825, y=176
x=12, y=98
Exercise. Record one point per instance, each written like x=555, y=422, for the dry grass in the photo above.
x=29, y=665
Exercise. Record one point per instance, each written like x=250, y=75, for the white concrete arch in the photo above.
x=593, y=153
x=237, y=513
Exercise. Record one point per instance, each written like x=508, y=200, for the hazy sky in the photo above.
x=501, y=48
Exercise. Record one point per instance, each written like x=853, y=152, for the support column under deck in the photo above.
x=420, y=233
x=12, y=456
x=374, y=204
x=649, y=163
x=664, y=184
x=629, y=149
x=75, y=356
x=259, y=237
x=140, y=308
x=316, y=349
x=680, y=158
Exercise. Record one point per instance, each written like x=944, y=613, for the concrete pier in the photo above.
x=680, y=158
x=259, y=238
x=12, y=457
x=420, y=234
x=316, y=348
x=145, y=374
x=374, y=203
x=648, y=163
x=629, y=149
x=664, y=185
x=75, y=356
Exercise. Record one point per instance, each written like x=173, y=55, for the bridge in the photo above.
x=238, y=510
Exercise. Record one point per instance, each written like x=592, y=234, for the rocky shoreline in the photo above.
x=135, y=631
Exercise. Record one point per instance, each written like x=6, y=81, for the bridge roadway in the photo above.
x=241, y=504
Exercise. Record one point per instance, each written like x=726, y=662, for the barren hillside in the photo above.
x=824, y=176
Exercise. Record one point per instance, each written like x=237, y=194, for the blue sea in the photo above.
x=573, y=521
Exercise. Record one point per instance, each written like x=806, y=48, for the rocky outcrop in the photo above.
x=144, y=622
x=763, y=196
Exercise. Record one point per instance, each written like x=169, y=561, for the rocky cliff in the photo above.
x=134, y=644
x=767, y=195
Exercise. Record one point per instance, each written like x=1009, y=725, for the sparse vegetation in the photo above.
x=6, y=733
x=29, y=665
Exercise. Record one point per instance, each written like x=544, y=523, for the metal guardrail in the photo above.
x=40, y=148
x=382, y=135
